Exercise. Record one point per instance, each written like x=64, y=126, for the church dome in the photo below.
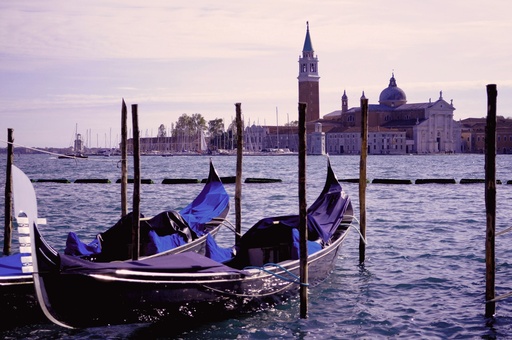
x=392, y=95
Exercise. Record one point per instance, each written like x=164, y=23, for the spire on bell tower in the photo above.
x=309, y=79
x=307, y=50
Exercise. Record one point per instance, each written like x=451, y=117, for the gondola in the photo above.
x=260, y=270
x=166, y=233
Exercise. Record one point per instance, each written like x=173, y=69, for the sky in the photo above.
x=66, y=66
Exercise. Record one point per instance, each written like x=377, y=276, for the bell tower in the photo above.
x=309, y=79
x=344, y=102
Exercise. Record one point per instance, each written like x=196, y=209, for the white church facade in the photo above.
x=420, y=128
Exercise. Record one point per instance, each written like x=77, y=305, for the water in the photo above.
x=424, y=275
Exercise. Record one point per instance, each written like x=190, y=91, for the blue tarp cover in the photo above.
x=323, y=218
x=163, y=232
x=11, y=265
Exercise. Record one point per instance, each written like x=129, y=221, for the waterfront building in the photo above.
x=255, y=137
x=429, y=126
x=316, y=145
x=309, y=93
x=381, y=141
x=309, y=80
x=259, y=138
x=473, y=135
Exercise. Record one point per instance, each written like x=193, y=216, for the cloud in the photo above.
x=72, y=62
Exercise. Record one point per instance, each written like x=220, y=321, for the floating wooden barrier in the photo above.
x=349, y=180
x=475, y=180
x=224, y=180
x=58, y=180
x=93, y=180
x=391, y=181
x=180, y=181
x=262, y=180
x=228, y=179
x=142, y=181
x=436, y=181
x=471, y=180
x=509, y=182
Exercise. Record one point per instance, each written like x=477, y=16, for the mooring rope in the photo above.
x=59, y=154
x=357, y=229
x=498, y=298
x=247, y=295
x=504, y=231
x=228, y=224
x=296, y=279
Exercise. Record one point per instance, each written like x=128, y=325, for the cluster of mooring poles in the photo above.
x=137, y=177
x=490, y=191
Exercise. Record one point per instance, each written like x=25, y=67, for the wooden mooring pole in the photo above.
x=362, y=178
x=490, y=200
x=136, y=184
x=303, y=226
x=8, y=193
x=238, y=181
x=124, y=163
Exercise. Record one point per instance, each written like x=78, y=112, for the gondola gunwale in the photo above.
x=157, y=289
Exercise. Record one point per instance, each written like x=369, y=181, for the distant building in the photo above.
x=429, y=127
x=309, y=93
x=167, y=145
x=381, y=141
x=316, y=145
x=309, y=89
x=473, y=135
x=259, y=138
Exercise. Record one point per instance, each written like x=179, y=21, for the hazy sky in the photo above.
x=70, y=63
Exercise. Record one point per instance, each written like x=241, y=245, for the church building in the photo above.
x=429, y=127
x=394, y=125
x=309, y=90
x=309, y=93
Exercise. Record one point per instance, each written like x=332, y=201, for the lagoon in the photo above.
x=424, y=275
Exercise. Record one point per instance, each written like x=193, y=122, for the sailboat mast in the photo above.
x=277, y=124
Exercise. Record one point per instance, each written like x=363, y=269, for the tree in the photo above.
x=161, y=131
x=193, y=124
x=188, y=130
x=215, y=126
x=216, y=130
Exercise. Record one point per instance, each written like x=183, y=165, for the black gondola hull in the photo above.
x=131, y=297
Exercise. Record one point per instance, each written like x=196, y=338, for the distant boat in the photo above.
x=73, y=155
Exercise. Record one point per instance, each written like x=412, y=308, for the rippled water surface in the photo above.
x=424, y=275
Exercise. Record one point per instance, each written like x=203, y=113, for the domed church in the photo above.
x=429, y=127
